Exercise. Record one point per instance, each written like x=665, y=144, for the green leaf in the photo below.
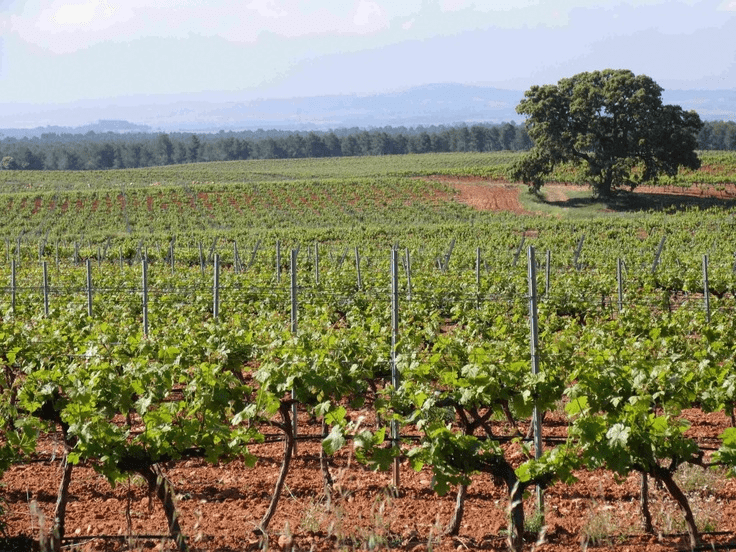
x=334, y=441
x=336, y=416
x=618, y=435
x=729, y=437
x=576, y=405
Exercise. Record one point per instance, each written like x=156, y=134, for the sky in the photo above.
x=54, y=51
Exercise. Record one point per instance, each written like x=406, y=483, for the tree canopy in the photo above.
x=612, y=124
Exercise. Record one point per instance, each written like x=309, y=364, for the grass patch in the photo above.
x=605, y=526
x=577, y=203
x=574, y=203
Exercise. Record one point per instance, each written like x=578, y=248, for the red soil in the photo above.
x=221, y=505
x=488, y=195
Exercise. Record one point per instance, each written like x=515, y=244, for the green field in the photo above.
x=178, y=335
x=307, y=199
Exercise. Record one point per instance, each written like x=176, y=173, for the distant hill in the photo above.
x=435, y=104
x=427, y=105
x=100, y=127
x=711, y=105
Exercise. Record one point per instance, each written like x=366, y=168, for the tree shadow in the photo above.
x=19, y=544
x=625, y=201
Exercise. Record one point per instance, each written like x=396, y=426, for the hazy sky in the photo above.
x=59, y=51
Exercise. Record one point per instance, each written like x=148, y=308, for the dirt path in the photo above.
x=485, y=195
x=488, y=195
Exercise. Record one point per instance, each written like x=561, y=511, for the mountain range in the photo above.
x=436, y=104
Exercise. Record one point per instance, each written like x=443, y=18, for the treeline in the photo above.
x=114, y=150
x=111, y=150
x=717, y=135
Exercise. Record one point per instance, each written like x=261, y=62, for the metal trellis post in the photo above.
x=394, y=341
x=534, y=349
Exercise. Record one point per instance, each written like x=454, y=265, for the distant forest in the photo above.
x=110, y=150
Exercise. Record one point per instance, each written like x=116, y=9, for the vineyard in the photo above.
x=343, y=354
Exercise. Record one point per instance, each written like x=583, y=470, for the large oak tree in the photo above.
x=612, y=124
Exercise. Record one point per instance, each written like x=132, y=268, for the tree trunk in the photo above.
x=509, y=417
x=165, y=493
x=288, y=450
x=457, y=516
x=646, y=516
x=603, y=187
x=516, y=516
x=502, y=469
x=324, y=467
x=681, y=499
x=499, y=467
x=57, y=531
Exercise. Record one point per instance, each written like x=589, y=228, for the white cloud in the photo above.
x=61, y=28
x=267, y=8
x=75, y=14
x=113, y=47
x=488, y=5
x=453, y=5
x=368, y=14
x=56, y=15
